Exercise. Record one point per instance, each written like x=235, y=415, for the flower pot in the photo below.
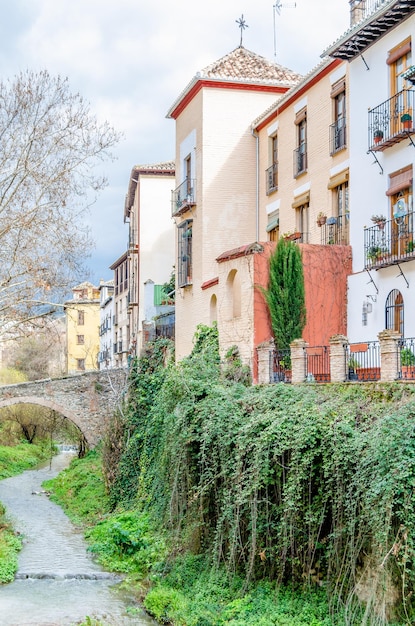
x=321, y=221
x=378, y=136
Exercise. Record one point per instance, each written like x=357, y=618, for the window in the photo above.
x=273, y=226
x=272, y=171
x=302, y=222
x=184, y=248
x=338, y=129
x=80, y=364
x=81, y=318
x=80, y=340
x=394, y=312
x=300, y=153
x=188, y=171
x=401, y=215
x=341, y=212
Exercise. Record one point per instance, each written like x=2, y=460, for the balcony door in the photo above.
x=399, y=61
x=402, y=227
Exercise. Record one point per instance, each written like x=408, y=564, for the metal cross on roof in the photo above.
x=242, y=26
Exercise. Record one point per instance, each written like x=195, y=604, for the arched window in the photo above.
x=394, y=312
x=213, y=309
x=234, y=293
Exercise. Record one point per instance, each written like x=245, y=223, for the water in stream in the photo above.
x=57, y=583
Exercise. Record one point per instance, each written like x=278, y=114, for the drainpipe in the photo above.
x=255, y=134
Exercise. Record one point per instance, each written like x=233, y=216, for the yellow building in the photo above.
x=82, y=329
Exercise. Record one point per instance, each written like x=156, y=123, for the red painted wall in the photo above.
x=326, y=269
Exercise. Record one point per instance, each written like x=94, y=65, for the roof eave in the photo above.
x=356, y=40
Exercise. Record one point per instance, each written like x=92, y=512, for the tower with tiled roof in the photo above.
x=214, y=203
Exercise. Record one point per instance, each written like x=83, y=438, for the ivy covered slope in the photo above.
x=311, y=486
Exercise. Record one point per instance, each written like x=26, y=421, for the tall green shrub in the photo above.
x=285, y=293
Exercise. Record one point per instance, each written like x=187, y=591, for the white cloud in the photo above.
x=131, y=59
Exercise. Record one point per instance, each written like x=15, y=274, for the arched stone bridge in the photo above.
x=88, y=400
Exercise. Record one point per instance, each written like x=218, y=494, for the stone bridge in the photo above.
x=88, y=400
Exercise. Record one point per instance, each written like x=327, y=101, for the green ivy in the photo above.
x=304, y=485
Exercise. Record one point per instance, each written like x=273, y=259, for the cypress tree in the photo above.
x=285, y=293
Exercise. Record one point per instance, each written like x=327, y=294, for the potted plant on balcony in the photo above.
x=374, y=253
x=321, y=219
x=406, y=120
x=379, y=220
x=292, y=236
x=378, y=135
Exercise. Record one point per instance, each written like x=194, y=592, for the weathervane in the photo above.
x=242, y=26
x=277, y=10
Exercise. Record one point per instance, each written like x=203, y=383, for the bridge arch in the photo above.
x=88, y=400
x=48, y=404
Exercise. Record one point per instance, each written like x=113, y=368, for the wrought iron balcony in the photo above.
x=338, y=135
x=335, y=231
x=300, y=160
x=183, y=197
x=390, y=242
x=391, y=121
x=272, y=178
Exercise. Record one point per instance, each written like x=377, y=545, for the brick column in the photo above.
x=389, y=354
x=338, y=365
x=264, y=351
x=298, y=360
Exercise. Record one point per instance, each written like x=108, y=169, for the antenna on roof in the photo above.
x=277, y=10
x=242, y=26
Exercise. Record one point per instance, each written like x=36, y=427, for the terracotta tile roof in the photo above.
x=243, y=65
x=165, y=166
x=291, y=93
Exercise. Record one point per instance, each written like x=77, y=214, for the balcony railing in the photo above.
x=391, y=121
x=183, y=197
x=272, y=178
x=335, y=231
x=300, y=160
x=338, y=135
x=390, y=242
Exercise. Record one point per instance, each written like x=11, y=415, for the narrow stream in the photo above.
x=57, y=583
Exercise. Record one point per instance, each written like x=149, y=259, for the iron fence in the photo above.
x=318, y=364
x=406, y=362
x=280, y=366
x=363, y=361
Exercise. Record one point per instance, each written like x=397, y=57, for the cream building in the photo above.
x=214, y=202
x=304, y=160
x=82, y=328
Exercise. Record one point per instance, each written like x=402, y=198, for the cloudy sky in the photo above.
x=131, y=59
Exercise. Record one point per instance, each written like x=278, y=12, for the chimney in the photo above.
x=357, y=11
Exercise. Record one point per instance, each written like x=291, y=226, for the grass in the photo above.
x=80, y=490
x=16, y=459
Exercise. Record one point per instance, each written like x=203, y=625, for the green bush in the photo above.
x=125, y=542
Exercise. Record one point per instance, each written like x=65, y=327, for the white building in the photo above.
x=150, y=253
x=106, y=329
x=382, y=153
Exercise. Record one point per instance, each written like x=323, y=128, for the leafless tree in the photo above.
x=51, y=147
